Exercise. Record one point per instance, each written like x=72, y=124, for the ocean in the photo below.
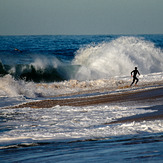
x=88, y=78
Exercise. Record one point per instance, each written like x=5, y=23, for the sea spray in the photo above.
x=9, y=87
x=110, y=58
x=14, y=88
x=117, y=58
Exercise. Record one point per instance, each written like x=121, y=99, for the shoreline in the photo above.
x=157, y=115
x=138, y=96
x=113, y=98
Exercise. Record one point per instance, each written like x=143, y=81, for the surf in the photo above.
x=42, y=69
x=104, y=60
x=118, y=57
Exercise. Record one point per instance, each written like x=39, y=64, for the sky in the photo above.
x=80, y=17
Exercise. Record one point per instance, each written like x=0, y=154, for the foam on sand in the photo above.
x=72, y=123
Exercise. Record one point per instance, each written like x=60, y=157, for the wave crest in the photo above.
x=118, y=57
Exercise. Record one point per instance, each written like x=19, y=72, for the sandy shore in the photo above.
x=142, y=117
x=134, y=97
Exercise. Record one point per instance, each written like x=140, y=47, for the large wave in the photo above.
x=118, y=57
x=42, y=69
x=100, y=61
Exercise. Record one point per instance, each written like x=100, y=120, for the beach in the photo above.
x=63, y=98
x=140, y=95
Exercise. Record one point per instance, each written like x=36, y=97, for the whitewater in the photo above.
x=77, y=68
x=106, y=64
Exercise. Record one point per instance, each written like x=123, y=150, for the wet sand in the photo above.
x=133, y=97
x=157, y=115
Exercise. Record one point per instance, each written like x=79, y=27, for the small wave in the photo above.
x=9, y=87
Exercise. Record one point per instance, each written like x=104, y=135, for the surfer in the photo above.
x=135, y=72
x=18, y=50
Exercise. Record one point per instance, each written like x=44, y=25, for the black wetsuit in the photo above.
x=134, y=76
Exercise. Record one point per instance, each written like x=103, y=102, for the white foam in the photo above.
x=65, y=122
x=103, y=66
x=42, y=62
x=13, y=88
x=16, y=88
x=117, y=58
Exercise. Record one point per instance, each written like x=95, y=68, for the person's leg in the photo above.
x=136, y=80
x=133, y=81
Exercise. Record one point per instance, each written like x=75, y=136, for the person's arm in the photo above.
x=138, y=73
x=131, y=73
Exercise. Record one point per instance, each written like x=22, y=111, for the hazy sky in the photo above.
x=29, y=17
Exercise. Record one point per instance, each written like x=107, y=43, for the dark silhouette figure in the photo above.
x=135, y=72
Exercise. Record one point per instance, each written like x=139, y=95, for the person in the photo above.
x=134, y=72
x=18, y=50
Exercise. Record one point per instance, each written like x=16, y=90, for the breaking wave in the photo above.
x=108, y=59
x=43, y=69
x=118, y=57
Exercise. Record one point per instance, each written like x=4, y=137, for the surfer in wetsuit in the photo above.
x=18, y=50
x=135, y=72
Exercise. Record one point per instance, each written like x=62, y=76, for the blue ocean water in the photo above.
x=44, y=58
x=18, y=52
x=40, y=67
x=144, y=148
